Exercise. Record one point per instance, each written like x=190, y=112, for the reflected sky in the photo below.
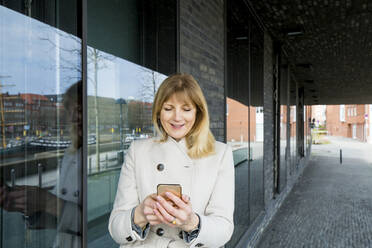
x=38, y=58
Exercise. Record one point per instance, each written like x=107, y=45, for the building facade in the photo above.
x=84, y=73
x=351, y=121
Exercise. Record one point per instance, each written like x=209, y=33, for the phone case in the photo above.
x=175, y=189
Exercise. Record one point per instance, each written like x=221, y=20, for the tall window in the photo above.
x=41, y=118
x=245, y=115
x=131, y=49
x=342, y=113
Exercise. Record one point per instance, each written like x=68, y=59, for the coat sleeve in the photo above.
x=120, y=225
x=217, y=224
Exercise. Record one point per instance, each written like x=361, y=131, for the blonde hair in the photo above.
x=73, y=97
x=199, y=140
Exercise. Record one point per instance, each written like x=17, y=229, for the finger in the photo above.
x=16, y=208
x=152, y=217
x=167, y=216
x=16, y=197
x=16, y=193
x=159, y=216
x=176, y=200
x=148, y=210
x=186, y=198
x=150, y=203
x=20, y=200
x=153, y=196
x=153, y=223
x=162, y=219
x=167, y=206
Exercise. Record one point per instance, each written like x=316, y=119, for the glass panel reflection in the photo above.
x=256, y=124
x=237, y=118
x=237, y=138
x=120, y=95
x=283, y=146
x=293, y=139
x=125, y=39
x=41, y=132
x=308, y=126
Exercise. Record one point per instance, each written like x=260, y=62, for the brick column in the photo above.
x=202, y=54
x=268, y=120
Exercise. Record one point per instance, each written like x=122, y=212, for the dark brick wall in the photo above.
x=202, y=54
x=268, y=120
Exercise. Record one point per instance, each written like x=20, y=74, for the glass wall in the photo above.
x=41, y=119
x=308, y=138
x=283, y=123
x=256, y=122
x=245, y=115
x=237, y=119
x=283, y=146
x=126, y=64
x=293, y=140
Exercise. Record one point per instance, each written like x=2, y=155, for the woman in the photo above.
x=186, y=153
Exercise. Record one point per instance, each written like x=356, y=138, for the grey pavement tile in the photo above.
x=331, y=204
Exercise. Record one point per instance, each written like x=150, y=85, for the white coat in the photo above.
x=208, y=181
x=67, y=188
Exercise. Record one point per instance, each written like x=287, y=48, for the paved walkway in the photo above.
x=331, y=205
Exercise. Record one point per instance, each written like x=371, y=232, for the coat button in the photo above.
x=199, y=245
x=76, y=193
x=160, y=167
x=63, y=191
x=129, y=239
x=180, y=235
x=160, y=231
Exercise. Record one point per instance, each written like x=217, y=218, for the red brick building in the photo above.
x=237, y=121
x=350, y=121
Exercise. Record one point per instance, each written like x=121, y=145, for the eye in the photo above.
x=187, y=110
x=167, y=109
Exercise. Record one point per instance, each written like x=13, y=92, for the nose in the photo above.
x=177, y=115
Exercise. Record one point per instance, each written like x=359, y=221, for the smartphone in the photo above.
x=175, y=189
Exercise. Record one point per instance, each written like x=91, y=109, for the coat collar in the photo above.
x=181, y=145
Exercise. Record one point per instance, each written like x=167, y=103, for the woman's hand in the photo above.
x=144, y=213
x=29, y=200
x=181, y=216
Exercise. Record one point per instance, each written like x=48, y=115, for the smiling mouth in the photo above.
x=177, y=126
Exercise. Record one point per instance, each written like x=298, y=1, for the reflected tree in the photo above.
x=147, y=91
x=70, y=62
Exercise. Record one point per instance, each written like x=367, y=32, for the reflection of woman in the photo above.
x=59, y=209
x=184, y=153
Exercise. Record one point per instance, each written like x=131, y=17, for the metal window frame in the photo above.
x=82, y=21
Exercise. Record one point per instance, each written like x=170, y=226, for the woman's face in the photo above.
x=177, y=117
